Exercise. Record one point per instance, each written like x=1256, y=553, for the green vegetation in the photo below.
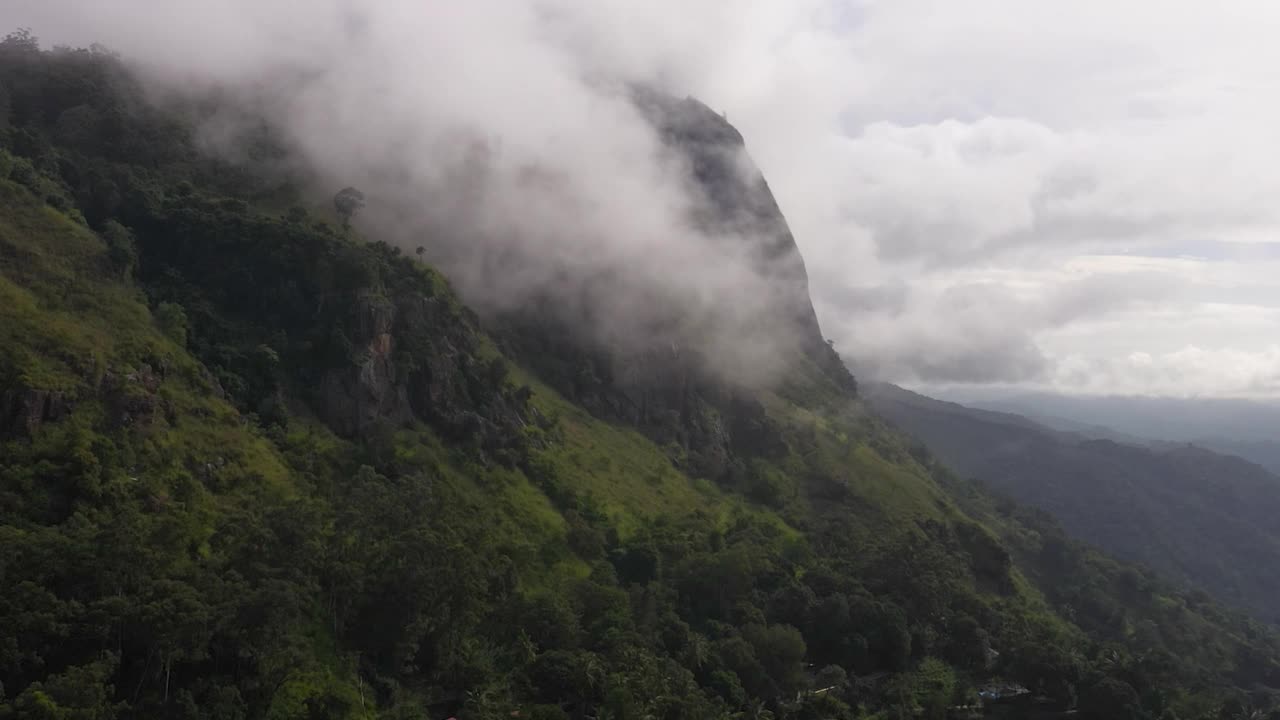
x=1200, y=519
x=252, y=466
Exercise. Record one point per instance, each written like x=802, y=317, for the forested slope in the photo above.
x=255, y=465
x=1201, y=519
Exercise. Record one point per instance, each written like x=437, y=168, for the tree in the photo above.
x=172, y=320
x=934, y=683
x=1109, y=698
x=121, y=249
x=20, y=40
x=348, y=202
x=4, y=108
x=80, y=693
x=831, y=676
x=780, y=649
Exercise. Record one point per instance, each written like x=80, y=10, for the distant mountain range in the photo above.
x=1247, y=428
x=1199, y=517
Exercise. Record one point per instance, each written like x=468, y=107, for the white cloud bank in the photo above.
x=1080, y=196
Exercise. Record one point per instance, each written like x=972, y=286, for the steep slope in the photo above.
x=670, y=387
x=1202, y=519
x=739, y=203
x=256, y=466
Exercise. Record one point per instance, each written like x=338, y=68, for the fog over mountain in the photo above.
x=1063, y=197
x=582, y=198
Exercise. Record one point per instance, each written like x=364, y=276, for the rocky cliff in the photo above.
x=670, y=389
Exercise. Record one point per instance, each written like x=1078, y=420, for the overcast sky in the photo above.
x=1081, y=195
x=1073, y=195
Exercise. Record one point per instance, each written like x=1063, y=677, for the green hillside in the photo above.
x=253, y=465
x=1201, y=519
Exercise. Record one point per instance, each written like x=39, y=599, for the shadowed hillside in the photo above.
x=1200, y=518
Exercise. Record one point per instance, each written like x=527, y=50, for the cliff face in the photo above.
x=673, y=389
x=417, y=358
x=24, y=410
x=739, y=203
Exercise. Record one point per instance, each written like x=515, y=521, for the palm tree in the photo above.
x=697, y=652
x=484, y=702
x=755, y=710
x=1249, y=712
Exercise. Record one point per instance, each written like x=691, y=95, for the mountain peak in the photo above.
x=739, y=203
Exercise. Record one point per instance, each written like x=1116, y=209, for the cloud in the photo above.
x=502, y=136
x=985, y=329
x=1190, y=371
x=998, y=142
x=994, y=191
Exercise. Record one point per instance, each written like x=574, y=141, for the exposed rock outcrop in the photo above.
x=355, y=397
x=23, y=411
x=131, y=396
x=418, y=359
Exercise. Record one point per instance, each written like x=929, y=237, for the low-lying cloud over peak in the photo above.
x=1075, y=196
x=526, y=157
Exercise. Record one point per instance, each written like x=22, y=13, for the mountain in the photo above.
x=741, y=204
x=1226, y=425
x=1200, y=518
x=255, y=464
x=1263, y=452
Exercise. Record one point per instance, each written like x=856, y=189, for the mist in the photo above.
x=955, y=174
x=504, y=139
